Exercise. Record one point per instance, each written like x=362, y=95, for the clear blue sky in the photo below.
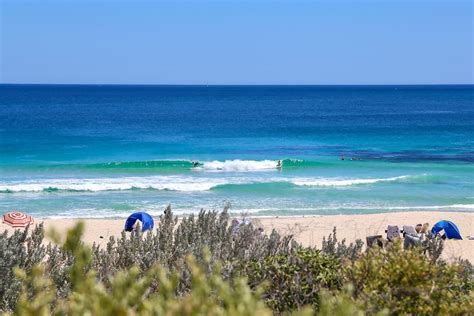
x=236, y=42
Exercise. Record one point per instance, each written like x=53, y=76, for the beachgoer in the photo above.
x=425, y=228
x=411, y=240
x=342, y=157
x=418, y=228
x=279, y=164
x=195, y=164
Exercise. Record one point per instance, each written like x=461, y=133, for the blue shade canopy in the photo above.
x=145, y=218
x=450, y=229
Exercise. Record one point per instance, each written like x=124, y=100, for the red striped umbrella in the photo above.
x=17, y=219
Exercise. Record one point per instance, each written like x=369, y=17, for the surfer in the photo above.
x=279, y=164
x=195, y=164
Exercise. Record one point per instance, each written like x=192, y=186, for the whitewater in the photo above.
x=174, y=183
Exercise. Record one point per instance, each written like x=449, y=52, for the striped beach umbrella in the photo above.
x=17, y=219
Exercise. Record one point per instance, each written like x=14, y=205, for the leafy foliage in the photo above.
x=433, y=247
x=341, y=303
x=294, y=280
x=128, y=293
x=332, y=246
x=407, y=282
x=22, y=250
x=173, y=241
x=168, y=272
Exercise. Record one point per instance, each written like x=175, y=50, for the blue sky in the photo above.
x=236, y=42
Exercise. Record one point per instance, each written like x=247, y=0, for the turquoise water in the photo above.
x=105, y=151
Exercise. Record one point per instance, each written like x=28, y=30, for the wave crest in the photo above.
x=345, y=182
x=172, y=183
x=239, y=165
x=182, y=183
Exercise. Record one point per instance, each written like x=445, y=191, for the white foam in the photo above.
x=334, y=182
x=239, y=165
x=173, y=183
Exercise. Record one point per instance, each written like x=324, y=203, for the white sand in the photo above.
x=310, y=230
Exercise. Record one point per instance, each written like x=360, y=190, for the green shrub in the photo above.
x=433, y=247
x=467, y=274
x=341, y=303
x=408, y=282
x=172, y=242
x=128, y=293
x=294, y=280
x=151, y=273
x=168, y=246
x=20, y=249
x=331, y=246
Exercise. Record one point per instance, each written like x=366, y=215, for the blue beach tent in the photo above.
x=145, y=218
x=450, y=229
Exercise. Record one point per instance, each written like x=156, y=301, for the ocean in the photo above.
x=95, y=151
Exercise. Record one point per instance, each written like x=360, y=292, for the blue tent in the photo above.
x=450, y=229
x=145, y=218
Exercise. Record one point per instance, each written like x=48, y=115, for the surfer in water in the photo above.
x=196, y=164
x=279, y=164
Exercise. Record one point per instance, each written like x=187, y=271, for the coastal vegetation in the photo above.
x=200, y=265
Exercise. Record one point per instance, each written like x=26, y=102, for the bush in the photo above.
x=294, y=280
x=128, y=293
x=407, y=282
x=331, y=246
x=152, y=273
x=467, y=274
x=167, y=246
x=23, y=250
x=340, y=303
x=171, y=243
x=433, y=247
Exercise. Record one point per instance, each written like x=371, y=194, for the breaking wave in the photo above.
x=239, y=165
x=235, y=165
x=346, y=182
x=173, y=183
x=183, y=183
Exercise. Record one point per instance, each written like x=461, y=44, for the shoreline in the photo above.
x=306, y=229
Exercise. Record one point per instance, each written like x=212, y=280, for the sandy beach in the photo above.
x=309, y=230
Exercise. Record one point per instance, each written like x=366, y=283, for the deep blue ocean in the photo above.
x=105, y=150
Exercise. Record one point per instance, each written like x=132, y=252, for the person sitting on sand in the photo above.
x=425, y=229
x=418, y=228
x=411, y=240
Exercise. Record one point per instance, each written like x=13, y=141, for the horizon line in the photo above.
x=238, y=84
